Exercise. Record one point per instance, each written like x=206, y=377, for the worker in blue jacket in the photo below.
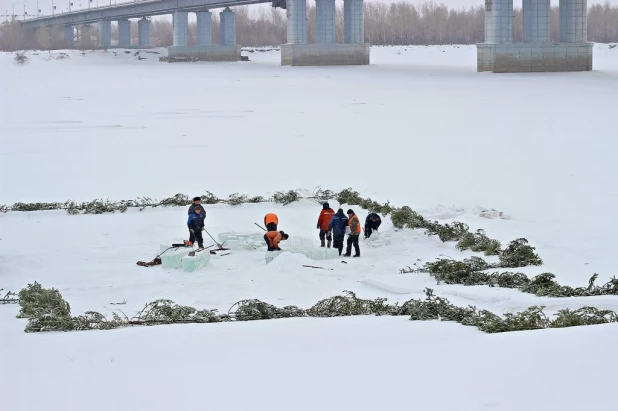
x=196, y=226
x=337, y=225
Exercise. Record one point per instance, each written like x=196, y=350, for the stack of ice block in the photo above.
x=304, y=246
x=193, y=263
x=242, y=241
x=179, y=258
x=172, y=258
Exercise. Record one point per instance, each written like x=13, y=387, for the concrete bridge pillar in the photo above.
x=69, y=36
x=296, y=11
x=105, y=33
x=124, y=33
x=204, y=28
x=228, y=27
x=354, y=21
x=325, y=51
x=325, y=12
x=181, y=28
x=573, y=21
x=536, y=21
x=203, y=49
x=499, y=21
x=143, y=30
x=537, y=53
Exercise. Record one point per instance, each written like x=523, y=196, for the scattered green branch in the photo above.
x=286, y=197
x=472, y=271
x=46, y=310
x=9, y=298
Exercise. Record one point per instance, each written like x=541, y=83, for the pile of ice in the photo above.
x=378, y=239
x=304, y=246
x=179, y=258
x=242, y=241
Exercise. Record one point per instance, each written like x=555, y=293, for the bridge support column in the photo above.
x=325, y=12
x=573, y=21
x=204, y=50
x=69, y=36
x=228, y=27
x=105, y=34
x=325, y=51
x=124, y=33
x=536, y=21
x=143, y=31
x=204, y=28
x=296, y=11
x=537, y=53
x=181, y=28
x=353, y=21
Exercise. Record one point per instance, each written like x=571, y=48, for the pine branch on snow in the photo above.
x=46, y=310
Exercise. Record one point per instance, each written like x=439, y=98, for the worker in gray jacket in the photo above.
x=197, y=201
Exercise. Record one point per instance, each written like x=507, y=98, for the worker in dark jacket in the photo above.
x=372, y=222
x=326, y=215
x=271, y=221
x=355, y=230
x=196, y=226
x=273, y=238
x=337, y=225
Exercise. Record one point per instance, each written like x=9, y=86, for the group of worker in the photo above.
x=332, y=227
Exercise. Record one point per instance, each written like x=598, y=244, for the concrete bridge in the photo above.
x=498, y=53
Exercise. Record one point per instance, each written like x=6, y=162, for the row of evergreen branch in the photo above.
x=100, y=206
x=472, y=271
x=46, y=310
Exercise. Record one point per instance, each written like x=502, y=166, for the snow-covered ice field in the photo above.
x=419, y=127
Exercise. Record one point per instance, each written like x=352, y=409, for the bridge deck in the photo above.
x=133, y=10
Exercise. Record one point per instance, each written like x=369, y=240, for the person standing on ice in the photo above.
x=326, y=215
x=197, y=201
x=337, y=225
x=273, y=238
x=196, y=226
x=372, y=222
x=355, y=230
x=271, y=222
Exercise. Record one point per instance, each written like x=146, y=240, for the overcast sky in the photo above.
x=7, y=6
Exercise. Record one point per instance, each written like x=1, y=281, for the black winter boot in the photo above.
x=328, y=244
x=322, y=242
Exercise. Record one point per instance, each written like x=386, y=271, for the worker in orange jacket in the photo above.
x=355, y=230
x=326, y=215
x=271, y=221
x=273, y=238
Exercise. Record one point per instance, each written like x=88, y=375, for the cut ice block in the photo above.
x=318, y=254
x=193, y=263
x=173, y=258
x=332, y=253
x=233, y=244
x=307, y=243
x=294, y=242
x=270, y=255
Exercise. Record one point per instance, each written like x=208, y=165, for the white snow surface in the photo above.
x=419, y=127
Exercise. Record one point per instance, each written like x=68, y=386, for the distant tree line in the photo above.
x=400, y=23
